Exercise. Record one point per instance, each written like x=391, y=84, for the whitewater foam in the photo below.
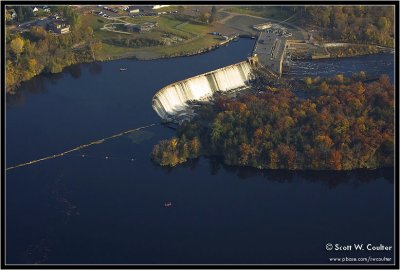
x=173, y=99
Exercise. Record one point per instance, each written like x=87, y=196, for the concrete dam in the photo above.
x=173, y=100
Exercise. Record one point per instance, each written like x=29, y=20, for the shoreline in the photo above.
x=219, y=159
x=14, y=91
x=341, y=57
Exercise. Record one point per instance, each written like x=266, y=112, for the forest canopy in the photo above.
x=347, y=124
x=358, y=24
x=31, y=53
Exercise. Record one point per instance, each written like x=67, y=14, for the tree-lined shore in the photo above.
x=346, y=124
x=38, y=51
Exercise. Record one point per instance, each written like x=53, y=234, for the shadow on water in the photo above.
x=330, y=178
x=191, y=164
x=95, y=68
x=37, y=85
x=75, y=71
x=40, y=83
x=34, y=86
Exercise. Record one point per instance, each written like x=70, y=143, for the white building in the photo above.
x=160, y=6
x=262, y=26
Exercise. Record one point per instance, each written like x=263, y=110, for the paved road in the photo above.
x=27, y=25
x=270, y=49
x=108, y=27
x=230, y=16
x=284, y=22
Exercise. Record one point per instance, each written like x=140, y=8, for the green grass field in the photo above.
x=272, y=12
x=194, y=37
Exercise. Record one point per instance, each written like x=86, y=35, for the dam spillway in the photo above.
x=173, y=99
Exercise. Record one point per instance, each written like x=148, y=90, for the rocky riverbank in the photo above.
x=339, y=50
x=349, y=50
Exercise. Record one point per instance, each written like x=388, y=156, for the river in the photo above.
x=373, y=65
x=105, y=204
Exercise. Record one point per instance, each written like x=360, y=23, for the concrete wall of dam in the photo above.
x=173, y=99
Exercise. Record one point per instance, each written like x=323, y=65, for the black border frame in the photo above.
x=201, y=266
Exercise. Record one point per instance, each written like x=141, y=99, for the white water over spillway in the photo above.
x=173, y=99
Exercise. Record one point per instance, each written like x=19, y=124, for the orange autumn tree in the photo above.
x=347, y=124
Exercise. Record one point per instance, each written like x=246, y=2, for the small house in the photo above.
x=59, y=27
x=136, y=10
x=160, y=6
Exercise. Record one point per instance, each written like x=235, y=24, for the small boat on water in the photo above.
x=168, y=204
x=123, y=69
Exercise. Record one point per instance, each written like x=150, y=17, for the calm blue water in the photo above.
x=97, y=210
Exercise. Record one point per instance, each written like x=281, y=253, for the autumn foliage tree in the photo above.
x=17, y=46
x=346, y=125
x=176, y=150
x=356, y=24
x=37, y=51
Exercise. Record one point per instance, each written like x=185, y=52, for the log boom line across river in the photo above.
x=78, y=147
